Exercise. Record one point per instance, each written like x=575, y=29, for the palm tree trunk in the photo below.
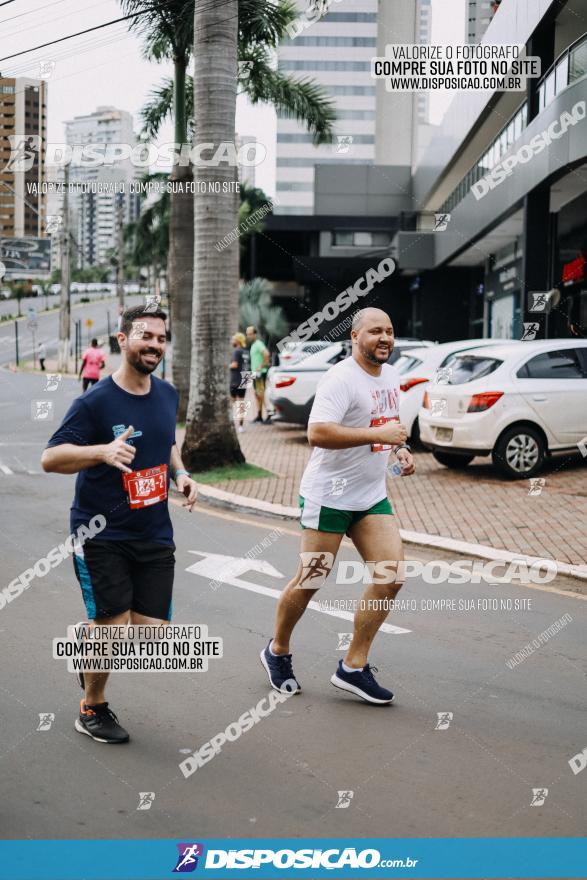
x=180, y=282
x=210, y=438
x=180, y=265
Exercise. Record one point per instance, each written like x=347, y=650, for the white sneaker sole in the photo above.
x=81, y=729
x=268, y=671
x=345, y=686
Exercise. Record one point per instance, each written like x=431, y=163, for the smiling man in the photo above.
x=353, y=426
x=119, y=437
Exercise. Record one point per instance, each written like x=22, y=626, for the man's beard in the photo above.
x=136, y=362
x=372, y=357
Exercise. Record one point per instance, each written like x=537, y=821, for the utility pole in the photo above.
x=120, y=250
x=64, y=302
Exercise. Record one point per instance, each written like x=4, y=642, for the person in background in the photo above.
x=239, y=367
x=92, y=362
x=42, y=352
x=259, y=367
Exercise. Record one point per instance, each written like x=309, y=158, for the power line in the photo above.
x=6, y=2
x=29, y=11
x=78, y=34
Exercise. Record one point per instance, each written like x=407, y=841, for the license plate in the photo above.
x=444, y=434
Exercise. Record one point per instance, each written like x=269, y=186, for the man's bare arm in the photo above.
x=330, y=435
x=67, y=458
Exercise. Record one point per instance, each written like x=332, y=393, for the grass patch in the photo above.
x=232, y=472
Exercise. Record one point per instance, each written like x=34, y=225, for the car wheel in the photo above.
x=415, y=435
x=455, y=462
x=519, y=452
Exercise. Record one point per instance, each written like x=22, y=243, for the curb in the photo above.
x=223, y=498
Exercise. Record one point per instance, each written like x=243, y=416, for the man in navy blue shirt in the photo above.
x=119, y=438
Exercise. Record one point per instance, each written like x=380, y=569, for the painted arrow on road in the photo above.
x=227, y=570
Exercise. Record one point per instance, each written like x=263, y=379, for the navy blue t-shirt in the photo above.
x=97, y=417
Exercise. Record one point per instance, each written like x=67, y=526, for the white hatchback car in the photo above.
x=518, y=403
x=419, y=367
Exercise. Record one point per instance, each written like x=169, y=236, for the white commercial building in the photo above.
x=334, y=51
x=94, y=213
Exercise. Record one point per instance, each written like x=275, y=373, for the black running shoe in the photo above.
x=280, y=671
x=100, y=723
x=362, y=683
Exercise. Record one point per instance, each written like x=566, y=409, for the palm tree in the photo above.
x=260, y=27
x=252, y=199
x=147, y=239
x=210, y=437
x=167, y=29
x=255, y=307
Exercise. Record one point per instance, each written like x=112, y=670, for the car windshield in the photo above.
x=407, y=362
x=468, y=367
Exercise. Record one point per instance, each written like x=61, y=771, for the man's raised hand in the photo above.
x=119, y=453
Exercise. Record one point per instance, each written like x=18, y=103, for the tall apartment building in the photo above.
x=94, y=213
x=23, y=115
x=334, y=51
x=479, y=15
x=424, y=12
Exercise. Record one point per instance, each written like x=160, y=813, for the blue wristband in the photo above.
x=178, y=472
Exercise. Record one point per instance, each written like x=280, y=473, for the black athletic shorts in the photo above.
x=116, y=576
x=237, y=393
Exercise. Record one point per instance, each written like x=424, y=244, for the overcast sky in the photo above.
x=106, y=67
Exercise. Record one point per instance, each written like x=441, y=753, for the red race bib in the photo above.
x=146, y=487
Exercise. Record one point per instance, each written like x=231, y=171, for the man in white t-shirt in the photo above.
x=353, y=427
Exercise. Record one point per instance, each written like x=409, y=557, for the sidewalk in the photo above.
x=475, y=506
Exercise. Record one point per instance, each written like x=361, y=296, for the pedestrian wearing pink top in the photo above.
x=92, y=362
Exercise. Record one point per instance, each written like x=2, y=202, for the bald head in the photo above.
x=370, y=313
x=372, y=336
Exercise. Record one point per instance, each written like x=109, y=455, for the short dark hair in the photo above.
x=94, y=342
x=131, y=315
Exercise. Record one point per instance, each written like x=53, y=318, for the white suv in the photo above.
x=518, y=403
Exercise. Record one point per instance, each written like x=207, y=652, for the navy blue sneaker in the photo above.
x=362, y=683
x=280, y=671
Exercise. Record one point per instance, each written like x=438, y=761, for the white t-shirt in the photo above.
x=351, y=479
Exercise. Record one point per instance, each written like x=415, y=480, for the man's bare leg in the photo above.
x=95, y=682
x=377, y=538
x=294, y=599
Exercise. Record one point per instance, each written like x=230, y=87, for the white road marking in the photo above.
x=5, y=469
x=226, y=570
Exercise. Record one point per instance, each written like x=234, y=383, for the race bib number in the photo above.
x=146, y=487
x=381, y=420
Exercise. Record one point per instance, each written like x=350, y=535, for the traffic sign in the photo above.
x=89, y=323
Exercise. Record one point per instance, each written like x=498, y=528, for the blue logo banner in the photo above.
x=273, y=858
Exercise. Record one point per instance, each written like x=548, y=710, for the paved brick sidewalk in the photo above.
x=475, y=505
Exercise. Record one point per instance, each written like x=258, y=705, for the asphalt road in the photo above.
x=512, y=730
x=48, y=326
